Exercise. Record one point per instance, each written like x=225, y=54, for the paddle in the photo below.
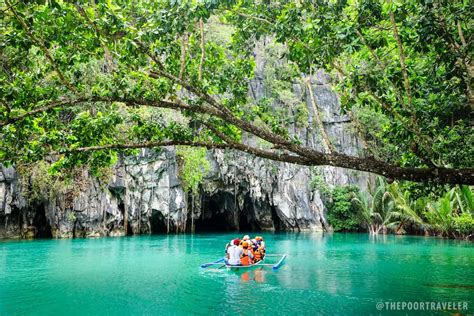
x=277, y=265
x=205, y=265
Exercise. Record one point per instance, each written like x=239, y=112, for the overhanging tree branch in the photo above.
x=40, y=43
x=288, y=151
x=178, y=105
x=436, y=175
x=314, y=158
x=282, y=157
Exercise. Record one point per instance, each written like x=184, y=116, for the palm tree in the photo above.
x=465, y=199
x=440, y=213
x=407, y=211
x=374, y=208
x=454, y=207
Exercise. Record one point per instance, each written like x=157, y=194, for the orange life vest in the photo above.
x=257, y=255
x=245, y=260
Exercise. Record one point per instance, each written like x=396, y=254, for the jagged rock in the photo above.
x=240, y=192
x=8, y=174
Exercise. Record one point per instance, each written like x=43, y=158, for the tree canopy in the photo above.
x=81, y=82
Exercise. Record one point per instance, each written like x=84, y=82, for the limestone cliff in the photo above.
x=240, y=192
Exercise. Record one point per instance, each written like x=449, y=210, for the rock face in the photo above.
x=144, y=189
x=241, y=192
x=249, y=193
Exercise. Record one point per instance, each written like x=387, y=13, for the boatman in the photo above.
x=233, y=253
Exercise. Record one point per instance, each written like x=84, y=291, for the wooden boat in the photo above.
x=261, y=263
x=250, y=266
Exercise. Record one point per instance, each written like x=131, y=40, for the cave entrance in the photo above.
x=157, y=222
x=43, y=229
x=219, y=214
x=247, y=219
x=277, y=225
x=121, y=208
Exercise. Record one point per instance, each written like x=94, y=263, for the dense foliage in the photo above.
x=341, y=214
x=387, y=208
x=410, y=60
x=76, y=78
x=193, y=167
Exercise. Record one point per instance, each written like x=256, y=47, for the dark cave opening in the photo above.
x=157, y=222
x=221, y=213
x=43, y=229
x=121, y=207
x=216, y=223
x=217, y=214
x=277, y=225
x=247, y=220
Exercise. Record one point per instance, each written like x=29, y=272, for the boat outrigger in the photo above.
x=250, y=266
x=261, y=263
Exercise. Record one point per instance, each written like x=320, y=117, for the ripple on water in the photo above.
x=328, y=274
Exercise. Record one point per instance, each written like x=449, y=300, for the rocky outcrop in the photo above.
x=241, y=192
x=248, y=193
x=143, y=194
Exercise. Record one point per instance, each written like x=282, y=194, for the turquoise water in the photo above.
x=323, y=274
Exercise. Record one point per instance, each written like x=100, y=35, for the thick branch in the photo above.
x=276, y=156
x=433, y=174
x=178, y=105
x=436, y=175
x=439, y=175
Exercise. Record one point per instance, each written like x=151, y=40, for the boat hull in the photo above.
x=241, y=268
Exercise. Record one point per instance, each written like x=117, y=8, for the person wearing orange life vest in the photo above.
x=258, y=254
x=259, y=249
x=246, y=258
x=250, y=247
x=260, y=242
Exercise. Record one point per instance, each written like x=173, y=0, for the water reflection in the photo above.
x=329, y=273
x=257, y=275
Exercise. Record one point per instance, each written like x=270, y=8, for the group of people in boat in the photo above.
x=245, y=251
